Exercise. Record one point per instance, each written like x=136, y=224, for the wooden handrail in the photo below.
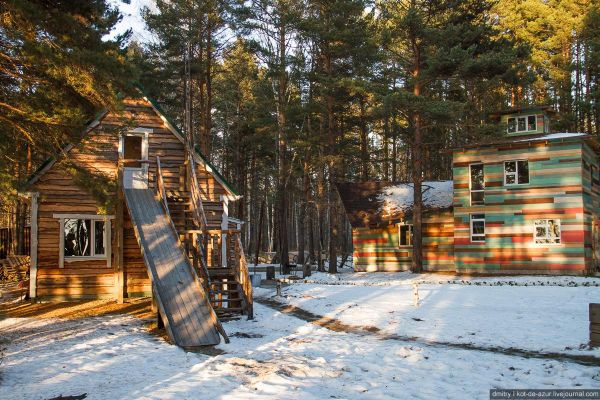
x=243, y=276
x=196, y=199
x=124, y=160
x=162, y=193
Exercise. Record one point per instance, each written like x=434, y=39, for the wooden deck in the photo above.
x=183, y=303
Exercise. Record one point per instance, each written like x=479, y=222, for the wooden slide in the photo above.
x=182, y=302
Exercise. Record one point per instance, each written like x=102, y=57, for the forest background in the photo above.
x=287, y=98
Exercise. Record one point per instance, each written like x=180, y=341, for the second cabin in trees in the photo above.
x=527, y=203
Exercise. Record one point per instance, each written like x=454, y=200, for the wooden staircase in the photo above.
x=199, y=227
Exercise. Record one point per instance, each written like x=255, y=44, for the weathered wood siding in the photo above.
x=554, y=191
x=591, y=204
x=378, y=249
x=59, y=193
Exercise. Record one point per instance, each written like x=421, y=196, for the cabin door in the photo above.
x=134, y=153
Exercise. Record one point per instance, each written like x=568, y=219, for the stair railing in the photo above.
x=242, y=275
x=195, y=197
x=162, y=193
x=199, y=216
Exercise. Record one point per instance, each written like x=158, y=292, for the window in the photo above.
x=594, y=176
x=546, y=231
x=522, y=124
x=477, y=227
x=476, y=184
x=84, y=237
x=516, y=172
x=405, y=234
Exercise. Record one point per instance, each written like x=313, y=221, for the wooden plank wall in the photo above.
x=378, y=249
x=554, y=191
x=59, y=193
x=591, y=205
x=594, y=324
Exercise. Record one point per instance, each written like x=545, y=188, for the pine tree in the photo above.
x=436, y=45
x=57, y=69
x=339, y=30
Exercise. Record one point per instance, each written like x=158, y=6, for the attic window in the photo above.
x=526, y=123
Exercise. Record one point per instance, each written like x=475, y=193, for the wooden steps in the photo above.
x=225, y=292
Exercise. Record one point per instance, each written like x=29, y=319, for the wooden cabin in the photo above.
x=88, y=234
x=381, y=220
x=527, y=203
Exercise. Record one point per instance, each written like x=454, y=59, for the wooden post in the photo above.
x=416, y=299
x=224, y=227
x=154, y=306
x=594, y=324
x=118, y=240
x=33, y=251
x=260, y=225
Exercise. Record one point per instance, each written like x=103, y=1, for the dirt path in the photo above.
x=338, y=326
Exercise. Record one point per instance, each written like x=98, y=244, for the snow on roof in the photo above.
x=398, y=198
x=378, y=203
x=555, y=136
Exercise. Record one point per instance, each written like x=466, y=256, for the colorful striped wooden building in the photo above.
x=380, y=215
x=526, y=204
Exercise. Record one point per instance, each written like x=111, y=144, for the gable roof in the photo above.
x=198, y=156
x=375, y=203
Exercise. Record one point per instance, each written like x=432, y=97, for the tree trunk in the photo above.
x=282, y=205
x=417, y=172
x=333, y=226
x=364, y=142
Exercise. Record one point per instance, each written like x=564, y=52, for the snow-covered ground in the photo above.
x=280, y=356
x=545, y=314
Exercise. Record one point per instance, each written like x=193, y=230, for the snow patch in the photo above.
x=399, y=197
x=555, y=136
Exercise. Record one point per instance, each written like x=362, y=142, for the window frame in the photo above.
x=516, y=173
x=471, y=220
x=516, y=118
x=535, y=237
x=92, y=218
x=410, y=233
x=477, y=190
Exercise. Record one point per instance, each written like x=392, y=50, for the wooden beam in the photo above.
x=118, y=240
x=224, y=227
x=84, y=216
x=33, y=252
x=61, y=244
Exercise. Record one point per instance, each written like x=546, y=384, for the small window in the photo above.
x=477, y=227
x=405, y=234
x=594, y=176
x=84, y=238
x=516, y=172
x=522, y=124
x=477, y=184
x=512, y=125
x=531, y=123
x=547, y=231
